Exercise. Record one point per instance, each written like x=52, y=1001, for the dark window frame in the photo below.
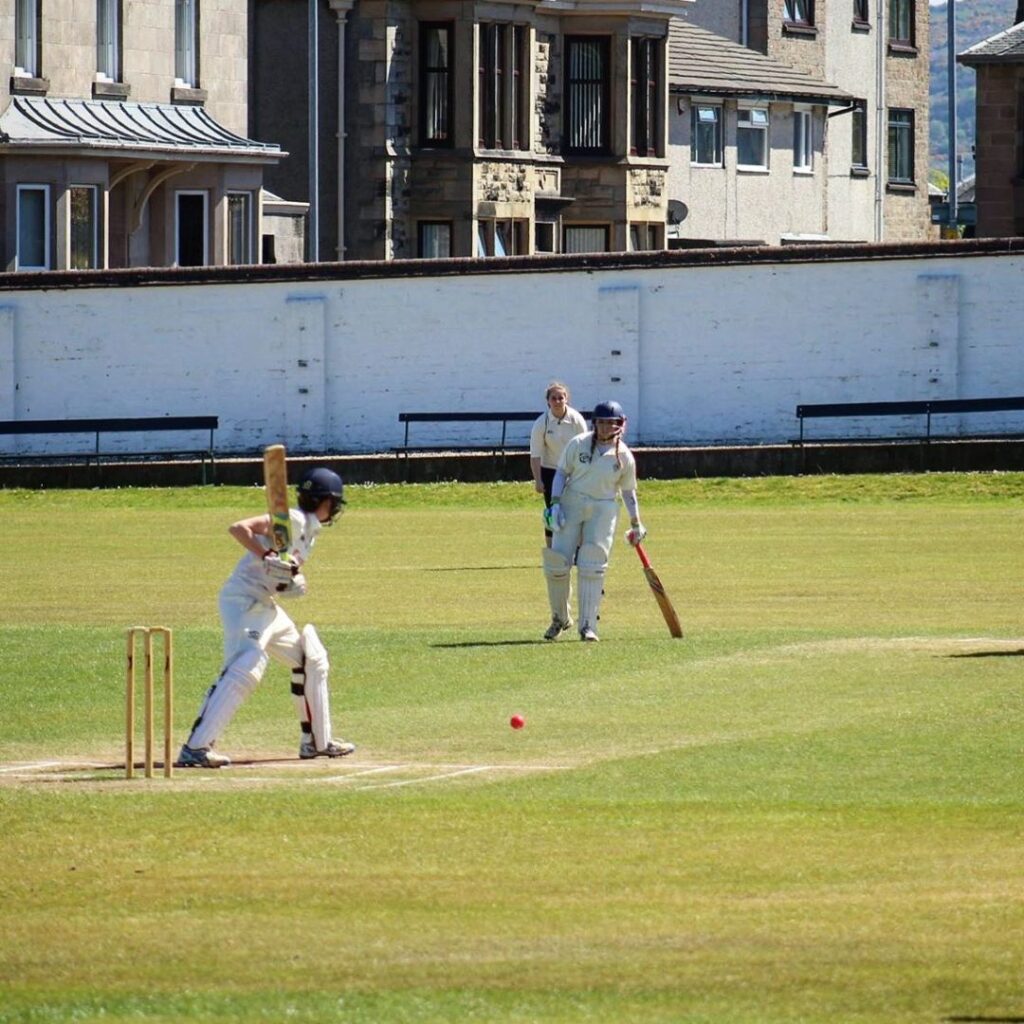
x=573, y=91
x=896, y=129
x=503, y=80
x=859, y=135
x=798, y=12
x=899, y=11
x=420, y=231
x=606, y=228
x=861, y=13
x=645, y=85
x=430, y=137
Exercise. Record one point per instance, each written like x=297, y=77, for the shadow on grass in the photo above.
x=476, y=568
x=495, y=643
x=988, y=654
x=984, y=1020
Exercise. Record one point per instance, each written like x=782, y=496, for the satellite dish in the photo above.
x=677, y=211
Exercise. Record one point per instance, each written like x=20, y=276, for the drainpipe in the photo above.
x=951, y=208
x=880, y=119
x=313, y=142
x=745, y=22
x=341, y=9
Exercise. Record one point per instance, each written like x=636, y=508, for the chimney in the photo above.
x=1020, y=12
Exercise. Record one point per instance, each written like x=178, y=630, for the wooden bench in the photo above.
x=500, y=446
x=927, y=409
x=98, y=427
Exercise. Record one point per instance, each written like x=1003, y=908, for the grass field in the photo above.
x=809, y=809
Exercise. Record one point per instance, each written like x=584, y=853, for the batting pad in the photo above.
x=591, y=565
x=318, y=701
x=227, y=695
x=556, y=572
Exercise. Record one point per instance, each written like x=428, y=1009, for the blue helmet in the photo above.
x=319, y=483
x=609, y=411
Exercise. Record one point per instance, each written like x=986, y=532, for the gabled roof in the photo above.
x=154, y=129
x=1003, y=48
x=704, y=63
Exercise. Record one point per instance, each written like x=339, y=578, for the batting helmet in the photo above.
x=609, y=411
x=319, y=483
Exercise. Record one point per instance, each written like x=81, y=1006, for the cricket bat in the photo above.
x=275, y=480
x=671, y=619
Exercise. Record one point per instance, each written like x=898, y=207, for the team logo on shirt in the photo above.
x=585, y=456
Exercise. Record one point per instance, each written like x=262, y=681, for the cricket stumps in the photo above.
x=147, y=633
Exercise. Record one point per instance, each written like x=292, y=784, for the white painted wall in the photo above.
x=707, y=354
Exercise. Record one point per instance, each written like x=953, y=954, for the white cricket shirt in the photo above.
x=249, y=578
x=550, y=435
x=596, y=475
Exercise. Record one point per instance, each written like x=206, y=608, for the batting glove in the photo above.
x=636, y=533
x=277, y=570
x=554, y=518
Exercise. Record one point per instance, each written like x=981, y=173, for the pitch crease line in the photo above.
x=431, y=778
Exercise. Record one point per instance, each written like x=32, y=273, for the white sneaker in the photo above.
x=588, y=635
x=202, y=757
x=556, y=628
x=336, y=748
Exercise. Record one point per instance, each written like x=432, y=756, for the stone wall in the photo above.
x=999, y=145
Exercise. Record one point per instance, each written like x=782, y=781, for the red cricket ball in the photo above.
x=517, y=721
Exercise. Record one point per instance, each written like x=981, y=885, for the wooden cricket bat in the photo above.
x=671, y=619
x=275, y=480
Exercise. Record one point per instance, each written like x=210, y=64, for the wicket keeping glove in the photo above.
x=636, y=533
x=554, y=517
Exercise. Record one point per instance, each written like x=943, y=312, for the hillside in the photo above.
x=975, y=20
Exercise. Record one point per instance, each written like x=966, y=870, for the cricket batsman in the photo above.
x=257, y=628
x=594, y=469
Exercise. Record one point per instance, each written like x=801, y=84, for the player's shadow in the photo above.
x=984, y=1020
x=988, y=654
x=493, y=643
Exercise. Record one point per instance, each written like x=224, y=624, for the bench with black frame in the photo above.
x=927, y=409
x=117, y=425
x=498, y=447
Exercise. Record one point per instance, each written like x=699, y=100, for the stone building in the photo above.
x=999, y=131
x=123, y=135
x=874, y=150
x=473, y=127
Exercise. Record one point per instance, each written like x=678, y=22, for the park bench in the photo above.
x=499, y=446
x=117, y=425
x=925, y=409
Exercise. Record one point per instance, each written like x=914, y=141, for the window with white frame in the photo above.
x=186, y=42
x=501, y=237
x=752, y=137
x=706, y=135
x=240, y=228
x=191, y=230
x=108, y=40
x=84, y=227
x=434, y=239
x=33, y=227
x=803, y=141
x=585, y=238
x=26, y=31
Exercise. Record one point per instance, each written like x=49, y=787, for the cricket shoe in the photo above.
x=588, y=635
x=202, y=757
x=556, y=628
x=336, y=748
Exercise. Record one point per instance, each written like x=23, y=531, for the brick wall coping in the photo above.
x=584, y=263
